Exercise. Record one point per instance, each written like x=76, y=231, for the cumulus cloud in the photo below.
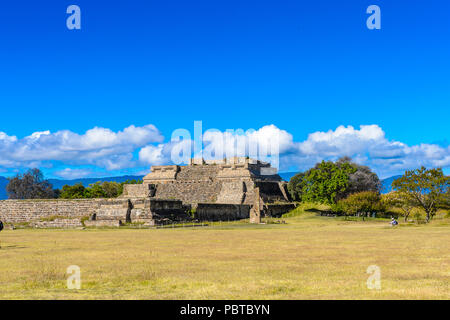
x=343, y=140
x=98, y=146
x=260, y=143
x=368, y=145
x=104, y=148
x=153, y=155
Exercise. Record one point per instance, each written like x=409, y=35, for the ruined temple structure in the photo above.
x=229, y=181
x=229, y=189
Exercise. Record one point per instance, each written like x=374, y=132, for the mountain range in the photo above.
x=58, y=183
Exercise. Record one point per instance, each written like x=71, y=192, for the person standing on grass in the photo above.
x=1, y=225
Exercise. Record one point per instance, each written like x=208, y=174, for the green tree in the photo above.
x=424, y=188
x=76, y=191
x=112, y=189
x=295, y=186
x=327, y=182
x=95, y=190
x=99, y=189
x=363, y=179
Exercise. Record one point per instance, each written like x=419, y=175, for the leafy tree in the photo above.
x=30, y=185
x=295, y=186
x=424, y=188
x=327, y=182
x=95, y=190
x=361, y=202
x=363, y=179
x=99, y=189
x=398, y=200
x=112, y=189
x=77, y=191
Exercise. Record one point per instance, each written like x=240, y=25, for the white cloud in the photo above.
x=265, y=140
x=5, y=139
x=111, y=150
x=98, y=146
x=153, y=155
x=342, y=141
x=38, y=134
x=369, y=146
x=69, y=173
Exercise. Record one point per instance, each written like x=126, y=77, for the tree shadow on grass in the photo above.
x=324, y=213
x=13, y=246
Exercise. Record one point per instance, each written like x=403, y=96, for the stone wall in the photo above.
x=114, y=209
x=103, y=223
x=232, y=192
x=192, y=189
x=113, y=212
x=190, y=192
x=136, y=190
x=198, y=173
x=58, y=223
x=16, y=211
x=101, y=212
x=221, y=212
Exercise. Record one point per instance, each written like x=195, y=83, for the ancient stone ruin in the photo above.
x=228, y=189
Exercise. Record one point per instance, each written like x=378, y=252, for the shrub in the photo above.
x=360, y=203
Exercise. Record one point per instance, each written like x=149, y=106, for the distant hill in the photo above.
x=386, y=184
x=58, y=184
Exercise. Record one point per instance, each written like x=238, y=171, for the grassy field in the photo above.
x=309, y=257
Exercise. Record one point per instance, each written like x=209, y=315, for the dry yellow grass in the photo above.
x=307, y=258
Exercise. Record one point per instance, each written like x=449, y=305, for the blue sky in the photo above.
x=304, y=67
